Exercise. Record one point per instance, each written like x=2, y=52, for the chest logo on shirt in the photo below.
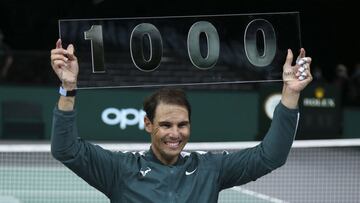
x=144, y=172
x=191, y=172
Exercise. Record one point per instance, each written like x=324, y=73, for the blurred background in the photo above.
x=325, y=170
x=329, y=33
x=329, y=29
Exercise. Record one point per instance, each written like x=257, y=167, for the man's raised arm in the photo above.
x=66, y=67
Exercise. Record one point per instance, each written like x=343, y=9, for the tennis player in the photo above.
x=164, y=173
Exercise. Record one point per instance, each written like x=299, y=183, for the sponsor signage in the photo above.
x=320, y=110
x=123, y=117
x=320, y=117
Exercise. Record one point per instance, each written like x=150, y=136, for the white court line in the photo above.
x=257, y=195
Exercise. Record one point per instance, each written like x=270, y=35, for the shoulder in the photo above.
x=125, y=157
x=130, y=154
x=203, y=155
x=204, y=160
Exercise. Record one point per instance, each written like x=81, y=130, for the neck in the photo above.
x=164, y=160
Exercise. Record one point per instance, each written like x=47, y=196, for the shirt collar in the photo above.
x=151, y=157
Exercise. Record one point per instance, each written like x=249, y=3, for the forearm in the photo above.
x=290, y=98
x=277, y=142
x=249, y=164
x=63, y=135
x=90, y=162
x=66, y=103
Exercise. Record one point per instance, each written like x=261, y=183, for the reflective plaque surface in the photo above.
x=181, y=50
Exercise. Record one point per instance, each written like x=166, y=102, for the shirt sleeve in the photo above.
x=249, y=164
x=92, y=163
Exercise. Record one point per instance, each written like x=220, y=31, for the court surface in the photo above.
x=326, y=174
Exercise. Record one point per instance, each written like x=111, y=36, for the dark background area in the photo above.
x=330, y=30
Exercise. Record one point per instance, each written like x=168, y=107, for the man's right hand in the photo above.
x=65, y=65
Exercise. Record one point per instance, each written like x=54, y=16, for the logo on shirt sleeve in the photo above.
x=143, y=172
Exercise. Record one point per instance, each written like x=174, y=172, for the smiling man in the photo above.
x=168, y=122
x=164, y=173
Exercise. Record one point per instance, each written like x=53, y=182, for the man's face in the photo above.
x=170, y=131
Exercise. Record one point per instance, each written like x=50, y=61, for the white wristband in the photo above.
x=66, y=93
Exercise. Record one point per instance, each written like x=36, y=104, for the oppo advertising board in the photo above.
x=117, y=115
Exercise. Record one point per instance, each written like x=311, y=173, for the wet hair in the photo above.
x=166, y=95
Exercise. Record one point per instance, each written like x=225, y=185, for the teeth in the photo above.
x=173, y=144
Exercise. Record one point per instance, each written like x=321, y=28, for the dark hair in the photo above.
x=167, y=96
